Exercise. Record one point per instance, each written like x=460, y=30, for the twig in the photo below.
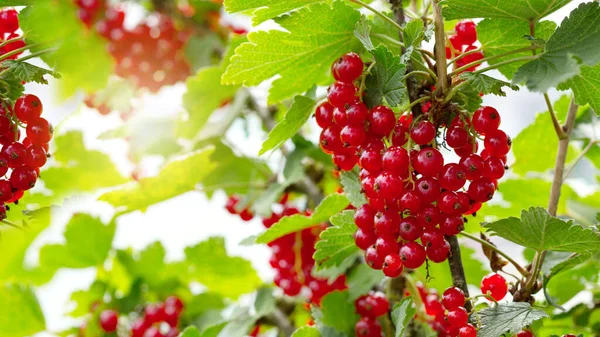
x=456, y=268
x=500, y=64
x=440, y=47
x=489, y=58
x=376, y=12
x=9, y=41
x=497, y=250
x=579, y=157
x=559, y=130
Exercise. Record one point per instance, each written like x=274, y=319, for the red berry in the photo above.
x=386, y=245
x=458, y=317
x=5, y=191
x=382, y=120
x=457, y=44
x=428, y=162
x=493, y=168
x=35, y=156
x=452, y=177
x=153, y=314
x=481, y=190
x=339, y=117
x=174, y=302
x=345, y=161
x=392, y=265
x=373, y=259
x=138, y=328
x=357, y=114
x=396, y=161
x=497, y=143
x=379, y=304
x=364, y=239
x=410, y=229
x=388, y=186
x=473, y=165
x=471, y=147
x=524, y=333
x=452, y=225
x=496, y=285
x=39, y=131
x=371, y=160
x=387, y=223
x=486, y=119
x=341, y=94
x=423, y=133
x=428, y=188
x=364, y=217
x=410, y=201
x=429, y=216
x=324, y=115
x=448, y=203
x=453, y=298
x=330, y=139
x=467, y=31
x=232, y=202
x=432, y=237
x=412, y=255
x=16, y=154
x=471, y=58
x=347, y=68
x=439, y=253
x=9, y=21
x=353, y=135
x=399, y=136
x=153, y=332
x=28, y=108
x=457, y=137
x=367, y=327
x=109, y=320
x=469, y=331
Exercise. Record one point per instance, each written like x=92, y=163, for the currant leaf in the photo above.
x=11, y=87
x=190, y=331
x=338, y=311
x=402, y=313
x=468, y=98
x=263, y=10
x=296, y=55
x=147, y=264
x=362, y=279
x=530, y=10
x=337, y=242
x=352, y=188
x=331, y=205
x=386, y=80
x=27, y=72
x=306, y=331
x=540, y=231
x=575, y=43
x=507, y=318
x=586, y=87
x=486, y=84
x=22, y=313
x=363, y=33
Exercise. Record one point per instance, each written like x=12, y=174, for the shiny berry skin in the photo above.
x=471, y=58
x=471, y=147
x=439, y=254
x=413, y=255
x=171, y=316
x=428, y=162
x=473, y=165
x=382, y=120
x=452, y=225
x=232, y=202
x=428, y=188
x=423, y=133
x=347, y=68
x=482, y=190
x=341, y=94
x=457, y=137
x=35, y=156
x=378, y=303
x=387, y=223
x=456, y=43
x=353, y=135
x=5, y=191
x=486, y=119
x=452, y=177
x=524, y=333
x=468, y=331
x=345, y=161
x=388, y=186
x=399, y=136
x=373, y=259
x=153, y=332
x=429, y=216
x=392, y=265
x=357, y=114
x=371, y=160
x=432, y=237
x=367, y=327
x=39, y=131
x=410, y=229
x=497, y=143
x=28, y=108
x=364, y=217
x=9, y=21
x=395, y=160
x=448, y=203
x=339, y=117
x=410, y=201
x=16, y=154
x=493, y=168
x=109, y=320
x=364, y=239
x=330, y=139
x=466, y=31
x=496, y=285
x=153, y=314
x=453, y=298
x=175, y=303
x=458, y=317
x=138, y=328
x=324, y=115
x=386, y=245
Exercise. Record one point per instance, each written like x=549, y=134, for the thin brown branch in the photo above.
x=456, y=268
x=440, y=47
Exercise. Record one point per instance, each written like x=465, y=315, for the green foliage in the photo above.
x=338, y=311
x=362, y=279
x=586, y=87
x=540, y=231
x=293, y=121
x=331, y=205
x=306, y=331
x=190, y=331
x=531, y=10
x=11, y=87
x=56, y=23
x=386, y=80
x=576, y=42
x=500, y=35
x=468, y=98
x=352, y=187
x=263, y=10
x=148, y=264
x=177, y=177
x=27, y=72
x=337, y=242
x=486, y=84
x=21, y=312
x=221, y=273
x=567, y=274
x=316, y=36
x=402, y=313
x=507, y=318
x=87, y=243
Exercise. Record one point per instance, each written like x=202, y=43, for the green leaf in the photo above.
x=331, y=205
x=306, y=331
x=21, y=311
x=540, y=231
x=362, y=31
x=200, y=50
x=576, y=42
x=294, y=119
x=499, y=36
x=56, y=23
x=586, y=87
x=352, y=187
x=507, y=318
x=87, y=243
x=177, y=177
x=190, y=331
x=486, y=84
x=569, y=277
x=402, y=313
x=147, y=264
x=336, y=243
x=210, y=265
x=202, y=303
x=26, y=72
x=362, y=279
x=530, y=10
x=468, y=98
x=11, y=87
x=386, y=80
x=263, y=10
x=302, y=55
x=338, y=311
x=86, y=298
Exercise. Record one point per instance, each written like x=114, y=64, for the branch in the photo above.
x=376, y=12
x=497, y=250
x=456, y=268
x=559, y=131
x=440, y=47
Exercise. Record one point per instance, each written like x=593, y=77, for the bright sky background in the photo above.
x=189, y=218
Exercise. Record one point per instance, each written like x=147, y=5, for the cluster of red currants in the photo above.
x=24, y=157
x=369, y=307
x=412, y=194
x=463, y=42
x=232, y=206
x=159, y=320
x=150, y=55
x=9, y=24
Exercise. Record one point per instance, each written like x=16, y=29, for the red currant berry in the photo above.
x=497, y=143
x=399, y=136
x=439, y=254
x=493, y=168
x=428, y=188
x=392, y=265
x=466, y=150
x=457, y=137
x=341, y=94
x=428, y=162
x=324, y=115
x=481, y=190
x=174, y=302
x=486, y=119
x=452, y=225
x=345, y=161
x=456, y=49
x=473, y=165
x=382, y=120
x=364, y=239
x=347, y=68
x=371, y=160
x=467, y=31
x=429, y=216
x=453, y=298
x=453, y=177
x=171, y=316
x=232, y=202
x=153, y=314
x=378, y=303
x=396, y=161
x=367, y=327
x=413, y=255
x=432, y=237
x=471, y=58
x=138, y=328
x=9, y=21
x=357, y=114
x=524, y=333
x=16, y=154
x=495, y=285
x=458, y=317
x=35, y=156
x=153, y=332
x=353, y=135
x=410, y=229
x=364, y=217
x=410, y=201
x=373, y=259
x=39, y=131
x=423, y=133
x=386, y=245
x=5, y=191
x=109, y=320
x=468, y=331
x=448, y=203
x=387, y=223
x=330, y=139
x=28, y=108
x=388, y=186
x=339, y=117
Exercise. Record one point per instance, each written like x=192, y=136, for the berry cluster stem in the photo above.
x=559, y=130
x=440, y=47
x=456, y=268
